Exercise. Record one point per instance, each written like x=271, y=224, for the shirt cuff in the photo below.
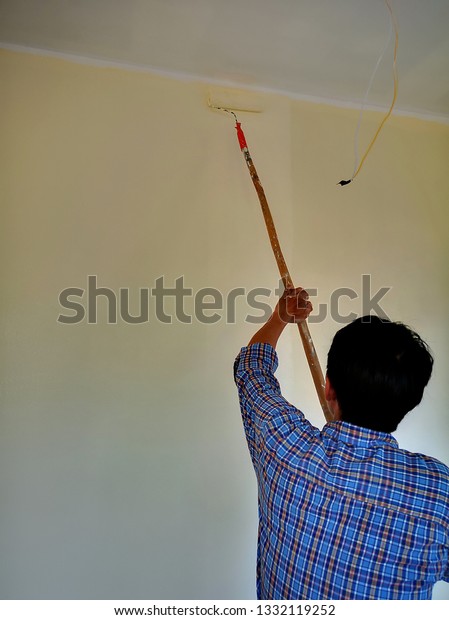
x=258, y=355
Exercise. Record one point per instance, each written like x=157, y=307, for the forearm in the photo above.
x=270, y=332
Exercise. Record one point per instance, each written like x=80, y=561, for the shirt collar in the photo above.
x=357, y=436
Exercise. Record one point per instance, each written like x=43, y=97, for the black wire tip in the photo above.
x=344, y=182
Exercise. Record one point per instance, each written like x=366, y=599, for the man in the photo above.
x=344, y=513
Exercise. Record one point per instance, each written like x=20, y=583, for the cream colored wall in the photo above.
x=124, y=468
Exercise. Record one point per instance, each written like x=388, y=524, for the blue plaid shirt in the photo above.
x=344, y=513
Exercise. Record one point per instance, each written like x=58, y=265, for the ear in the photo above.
x=331, y=398
x=329, y=391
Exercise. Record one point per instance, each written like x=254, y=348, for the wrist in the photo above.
x=278, y=320
x=275, y=325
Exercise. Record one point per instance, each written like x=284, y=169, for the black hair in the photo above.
x=379, y=370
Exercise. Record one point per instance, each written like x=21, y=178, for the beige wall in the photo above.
x=124, y=468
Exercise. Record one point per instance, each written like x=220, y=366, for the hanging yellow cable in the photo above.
x=395, y=94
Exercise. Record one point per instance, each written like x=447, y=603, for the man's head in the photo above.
x=377, y=371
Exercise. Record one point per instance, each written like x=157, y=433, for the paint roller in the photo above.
x=230, y=103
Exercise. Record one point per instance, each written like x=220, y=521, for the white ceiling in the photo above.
x=307, y=48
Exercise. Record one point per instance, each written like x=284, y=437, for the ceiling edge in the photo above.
x=191, y=77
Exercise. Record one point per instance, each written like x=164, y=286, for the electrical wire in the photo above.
x=365, y=100
x=358, y=165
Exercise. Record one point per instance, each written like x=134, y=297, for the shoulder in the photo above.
x=431, y=480
x=425, y=464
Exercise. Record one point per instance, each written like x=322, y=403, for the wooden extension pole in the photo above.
x=303, y=327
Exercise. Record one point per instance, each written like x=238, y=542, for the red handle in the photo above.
x=241, y=136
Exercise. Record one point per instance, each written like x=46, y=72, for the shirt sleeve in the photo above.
x=264, y=410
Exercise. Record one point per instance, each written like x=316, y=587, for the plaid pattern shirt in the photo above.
x=343, y=512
